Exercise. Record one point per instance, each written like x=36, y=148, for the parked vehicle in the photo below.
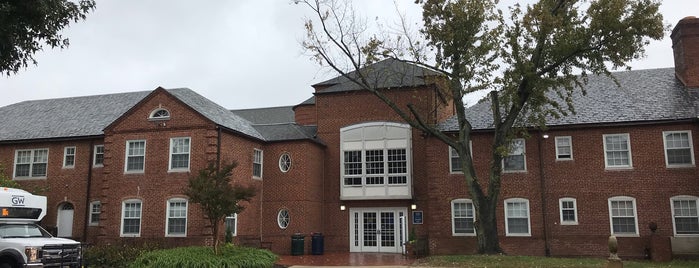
x=23, y=243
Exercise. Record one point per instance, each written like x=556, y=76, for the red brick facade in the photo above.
x=311, y=189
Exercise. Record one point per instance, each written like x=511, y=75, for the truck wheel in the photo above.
x=6, y=265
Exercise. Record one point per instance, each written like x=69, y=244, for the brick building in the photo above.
x=341, y=163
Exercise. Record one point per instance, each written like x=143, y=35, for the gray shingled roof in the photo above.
x=277, y=124
x=388, y=73
x=215, y=112
x=65, y=117
x=89, y=115
x=271, y=115
x=644, y=95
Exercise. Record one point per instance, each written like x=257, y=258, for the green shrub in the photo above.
x=204, y=257
x=117, y=256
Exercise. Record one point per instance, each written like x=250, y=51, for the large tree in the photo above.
x=529, y=59
x=218, y=197
x=26, y=25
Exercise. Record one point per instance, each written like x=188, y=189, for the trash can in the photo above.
x=317, y=244
x=297, y=244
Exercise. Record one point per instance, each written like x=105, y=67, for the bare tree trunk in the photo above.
x=487, y=226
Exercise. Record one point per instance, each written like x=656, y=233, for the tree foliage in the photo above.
x=26, y=25
x=530, y=59
x=218, y=198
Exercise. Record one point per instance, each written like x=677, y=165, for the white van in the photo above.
x=23, y=243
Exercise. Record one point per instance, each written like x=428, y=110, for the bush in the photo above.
x=118, y=256
x=204, y=257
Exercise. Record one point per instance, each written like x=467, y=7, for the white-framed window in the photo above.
x=98, y=158
x=95, y=211
x=685, y=215
x=257, y=158
x=69, y=157
x=622, y=216
x=569, y=211
x=176, y=224
x=179, y=154
x=679, y=151
x=131, y=217
x=564, y=148
x=231, y=223
x=31, y=163
x=462, y=217
x=516, y=160
x=517, y=221
x=159, y=114
x=454, y=161
x=283, y=218
x=285, y=162
x=617, y=151
x=135, y=156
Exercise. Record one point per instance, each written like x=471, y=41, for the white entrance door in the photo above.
x=377, y=229
x=65, y=220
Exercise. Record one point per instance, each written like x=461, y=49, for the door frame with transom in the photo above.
x=378, y=229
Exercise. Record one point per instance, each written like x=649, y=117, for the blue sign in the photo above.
x=417, y=217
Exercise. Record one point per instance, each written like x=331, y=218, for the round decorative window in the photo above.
x=285, y=162
x=159, y=113
x=283, y=218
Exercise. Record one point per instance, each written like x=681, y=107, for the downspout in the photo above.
x=218, y=148
x=88, y=208
x=542, y=181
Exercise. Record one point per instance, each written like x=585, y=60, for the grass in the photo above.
x=502, y=261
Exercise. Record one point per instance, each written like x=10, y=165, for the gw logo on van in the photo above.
x=17, y=200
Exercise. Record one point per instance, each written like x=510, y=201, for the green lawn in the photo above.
x=501, y=261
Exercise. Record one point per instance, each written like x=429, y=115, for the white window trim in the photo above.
x=691, y=149
x=92, y=204
x=65, y=156
x=94, y=156
x=604, y=143
x=167, y=217
x=31, y=164
x=529, y=217
x=126, y=157
x=279, y=218
x=262, y=160
x=282, y=162
x=152, y=114
x=524, y=154
x=140, y=218
x=189, y=156
x=575, y=210
x=570, y=142
x=453, y=218
x=672, y=211
x=635, y=215
x=453, y=153
x=234, y=216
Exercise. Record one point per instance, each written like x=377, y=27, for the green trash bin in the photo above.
x=297, y=247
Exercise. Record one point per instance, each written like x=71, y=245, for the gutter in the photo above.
x=88, y=208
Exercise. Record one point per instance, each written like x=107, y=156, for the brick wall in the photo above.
x=585, y=178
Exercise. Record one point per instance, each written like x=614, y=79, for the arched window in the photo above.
x=159, y=114
x=462, y=217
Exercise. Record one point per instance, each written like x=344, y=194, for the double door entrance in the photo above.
x=378, y=229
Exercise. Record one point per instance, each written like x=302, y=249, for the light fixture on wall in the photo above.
x=342, y=207
x=545, y=136
x=413, y=206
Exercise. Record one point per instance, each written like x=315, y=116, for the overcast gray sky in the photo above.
x=240, y=54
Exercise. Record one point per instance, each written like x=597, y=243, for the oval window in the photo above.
x=283, y=218
x=285, y=162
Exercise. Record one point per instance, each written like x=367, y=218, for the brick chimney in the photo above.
x=685, y=47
